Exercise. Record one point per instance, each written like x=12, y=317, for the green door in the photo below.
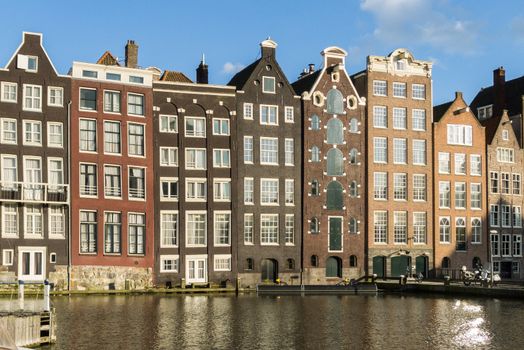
x=421, y=263
x=333, y=267
x=335, y=234
x=399, y=265
x=378, y=265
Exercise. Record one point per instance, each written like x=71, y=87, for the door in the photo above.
x=269, y=270
x=333, y=267
x=400, y=265
x=196, y=269
x=335, y=234
x=31, y=263
x=421, y=265
x=379, y=266
x=505, y=269
x=32, y=179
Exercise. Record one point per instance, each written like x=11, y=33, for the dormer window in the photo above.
x=268, y=85
x=401, y=65
x=485, y=112
x=29, y=63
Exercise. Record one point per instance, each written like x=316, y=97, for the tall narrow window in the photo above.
x=335, y=162
x=113, y=232
x=335, y=132
x=289, y=149
x=137, y=233
x=445, y=230
x=460, y=234
x=335, y=102
x=112, y=137
x=88, y=232
x=248, y=149
x=315, y=122
x=335, y=196
x=248, y=229
x=136, y=145
x=400, y=227
x=315, y=154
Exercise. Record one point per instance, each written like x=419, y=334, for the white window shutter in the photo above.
x=22, y=62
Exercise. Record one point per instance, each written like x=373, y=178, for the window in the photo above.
x=419, y=187
x=136, y=140
x=269, y=151
x=249, y=190
x=335, y=162
x=289, y=114
x=400, y=228
x=32, y=133
x=169, y=263
x=222, y=190
x=89, y=74
x=517, y=245
x=88, y=99
x=268, y=229
x=56, y=222
x=88, y=180
x=33, y=221
x=399, y=89
x=419, y=152
x=113, y=183
x=315, y=154
x=290, y=192
x=268, y=85
x=380, y=185
x=136, y=80
x=315, y=122
x=196, y=229
x=399, y=118
x=419, y=228
x=137, y=183
x=506, y=215
x=380, y=145
x=460, y=195
x=169, y=123
x=353, y=225
x=485, y=112
x=380, y=88
x=400, y=151
x=445, y=230
x=380, y=222
x=136, y=232
x=9, y=220
x=220, y=127
x=444, y=164
x=269, y=191
x=9, y=92
x=88, y=231
x=195, y=158
x=87, y=135
x=55, y=96
x=380, y=117
x=314, y=260
x=222, y=262
x=112, y=137
x=289, y=152
x=504, y=183
x=8, y=257
x=135, y=104
x=248, y=229
x=315, y=188
x=112, y=232
x=314, y=226
x=55, y=134
x=494, y=182
x=505, y=155
x=476, y=231
x=196, y=189
x=168, y=229
x=494, y=217
x=353, y=156
x=248, y=111
x=268, y=115
x=400, y=186
x=505, y=135
x=505, y=246
x=419, y=119
x=418, y=91
x=32, y=98
x=475, y=164
x=168, y=189
x=195, y=127
x=221, y=158
x=113, y=76
x=168, y=156
x=9, y=173
x=248, y=149
x=476, y=197
x=222, y=228
x=459, y=135
x=250, y=264
x=33, y=174
x=55, y=174
x=460, y=234
x=494, y=239
x=444, y=194
x=353, y=189
x=334, y=196
x=516, y=184
x=460, y=164
x=290, y=229
x=112, y=101
x=517, y=216
x=335, y=102
x=353, y=126
x=8, y=128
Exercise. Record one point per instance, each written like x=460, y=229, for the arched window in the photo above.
x=314, y=226
x=353, y=225
x=353, y=261
x=314, y=260
x=460, y=233
x=353, y=189
x=353, y=125
x=446, y=263
x=315, y=154
x=444, y=230
x=353, y=156
x=249, y=264
x=335, y=132
x=335, y=102
x=335, y=162
x=335, y=196
x=290, y=264
x=315, y=122
x=315, y=190
x=333, y=267
x=476, y=233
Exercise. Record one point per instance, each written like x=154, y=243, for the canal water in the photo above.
x=287, y=322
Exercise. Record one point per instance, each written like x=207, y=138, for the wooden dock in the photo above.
x=27, y=328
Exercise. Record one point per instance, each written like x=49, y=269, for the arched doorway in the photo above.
x=269, y=269
x=379, y=266
x=421, y=265
x=333, y=267
x=399, y=265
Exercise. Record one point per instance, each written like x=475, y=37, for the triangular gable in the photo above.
x=108, y=59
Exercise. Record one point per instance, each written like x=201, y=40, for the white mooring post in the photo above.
x=21, y=294
x=47, y=289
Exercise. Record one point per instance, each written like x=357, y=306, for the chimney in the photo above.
x=268, y=48
x=311, y=67
x=202, y=73
x=458, y=94
x=499, y=81
x=131, y=54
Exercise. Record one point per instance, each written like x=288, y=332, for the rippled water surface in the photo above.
x=290, y=322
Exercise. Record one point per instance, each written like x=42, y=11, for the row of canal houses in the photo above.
x=118, y=176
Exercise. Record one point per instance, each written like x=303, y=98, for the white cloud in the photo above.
x=229, y=67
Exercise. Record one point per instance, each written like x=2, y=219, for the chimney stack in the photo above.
x=499, y=81
x=311, y=67
x=202, y=73
x=268, y=48
x=131, y=54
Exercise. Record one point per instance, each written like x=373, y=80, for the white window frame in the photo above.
x=215, y=237
x=383, y=150
x=88, y=120
x=173, y=257
x=2, y=138
x=289, y=114
x=220, y=121
x=4, y=221
x=111, y=110
x=32, y=250
x=402, y=86
x=33, y=99
x=217, y=257
x=83, y=195
x=250, y=181
x=398, y=151
x=4, y=85
x=136, y=197
x=378, y=86
x=109, y=196
x=264, y=85
x=269, y=108
x=61, y=213
x=195, y=133
x=162, y=231
x=49, y=91
x=171, y=151
x=169, y=118
x=248, y=111
x=418, y=86
x=289, y=154
x=83, y=109
x=475, y=159
x=195, y=181
x=49, y=138
x=460, y=162
x=144, y=148
x=289, y=194
x=32, y=123
x=40, y=213
x=424, y=150
x=219, y=162
x=195, y=212
x=195, y=167
x=249, y=239
x=416, y=119
x=170, y=197
x=220, y=197
x=380, y=117
x=400, y=118
x=248, y=152
x=444, y=157
x=8, y=253
x=273, y=181
x=269, y=241
x=129, y=94
x=270, y=153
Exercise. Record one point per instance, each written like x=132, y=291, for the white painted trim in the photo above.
x=164, y=257
x=162, y=245
x=215, y=212
x=189, y=212
x=31, y=251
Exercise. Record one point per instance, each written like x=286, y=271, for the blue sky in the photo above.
x=466, y=39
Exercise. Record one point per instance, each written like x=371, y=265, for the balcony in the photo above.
x=31, y=192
